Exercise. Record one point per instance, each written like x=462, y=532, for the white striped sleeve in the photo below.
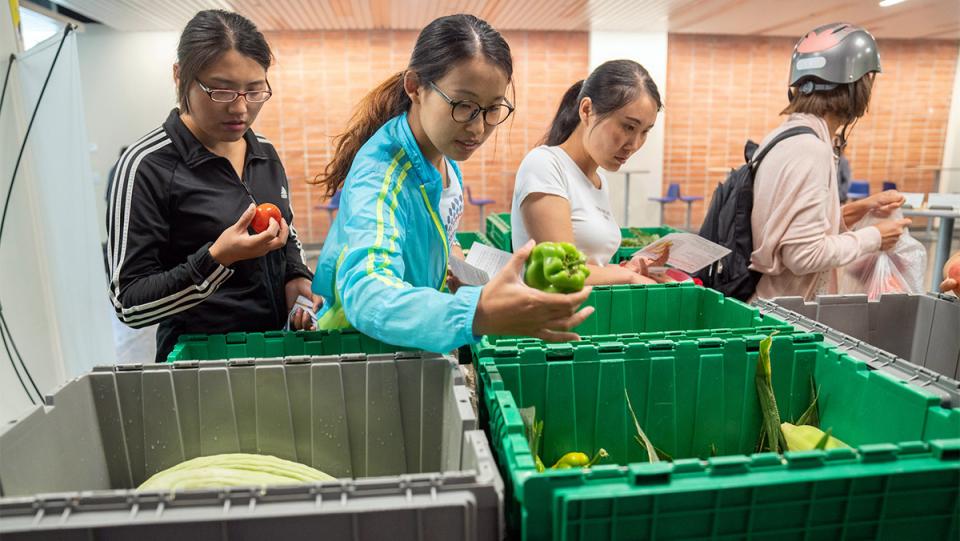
x=142, y=291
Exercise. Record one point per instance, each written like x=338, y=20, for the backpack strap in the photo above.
x=786, y=134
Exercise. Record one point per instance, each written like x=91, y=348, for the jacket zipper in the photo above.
x=443, y=236
x=263, y=261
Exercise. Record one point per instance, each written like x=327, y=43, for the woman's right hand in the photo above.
x=890, y=231
x=507, y=306
x=236, y=244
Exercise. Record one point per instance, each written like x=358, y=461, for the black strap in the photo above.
x=786, y=134
x=6, y=79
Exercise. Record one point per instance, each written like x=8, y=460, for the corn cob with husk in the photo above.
x=808, y=438
x=641, y=436
x=770, y=435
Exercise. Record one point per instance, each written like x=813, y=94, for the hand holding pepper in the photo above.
x=507, y=306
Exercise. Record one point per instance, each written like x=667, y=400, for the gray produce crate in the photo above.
x=947, y=388
x=396, y=430
x=923, y=329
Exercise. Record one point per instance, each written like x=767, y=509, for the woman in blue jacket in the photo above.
x=383, y=268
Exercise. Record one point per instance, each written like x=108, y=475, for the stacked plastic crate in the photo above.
x=687, y=357
x=396, y=430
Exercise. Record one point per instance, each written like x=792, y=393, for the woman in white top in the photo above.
x=560, y=194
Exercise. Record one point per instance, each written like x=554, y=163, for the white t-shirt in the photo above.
x=451, y=204
x=551, y=170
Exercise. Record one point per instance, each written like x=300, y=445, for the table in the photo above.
x=626, y=193
x=936, y=173
x=944, y=238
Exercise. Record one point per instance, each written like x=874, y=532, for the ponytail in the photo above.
x=442, y=44
x=380, y=105
x=567, y=118
x=610, y=86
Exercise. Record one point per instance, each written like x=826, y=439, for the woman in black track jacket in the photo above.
x=180, y=251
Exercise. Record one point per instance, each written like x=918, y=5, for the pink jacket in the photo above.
x=799, y=239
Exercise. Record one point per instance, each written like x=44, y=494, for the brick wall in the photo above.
x=320, y=76
x=722, y=90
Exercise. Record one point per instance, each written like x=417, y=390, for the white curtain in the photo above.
x=53, y=284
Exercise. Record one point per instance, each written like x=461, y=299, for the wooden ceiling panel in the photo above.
x=938, y=19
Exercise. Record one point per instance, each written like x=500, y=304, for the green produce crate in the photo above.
x=663, y=308
x=511, y=347
x=505, y=346
x=667, y=307
x=499, y=231
x=626, y=252
x=697, y=401
x=397, y=431
x=657, y=312
x=257, y=345
x=467, y=238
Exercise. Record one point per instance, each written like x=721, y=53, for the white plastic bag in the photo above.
x=897, y=270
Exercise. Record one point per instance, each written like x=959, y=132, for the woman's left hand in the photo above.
x=884, y=203
x=454, y=283
x=641, y=265
x=294, y=289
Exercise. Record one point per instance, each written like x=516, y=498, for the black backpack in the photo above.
x=728, y=224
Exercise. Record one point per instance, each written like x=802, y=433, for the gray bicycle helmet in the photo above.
x=833, y=54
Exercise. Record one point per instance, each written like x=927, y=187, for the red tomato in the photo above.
x=261, y=220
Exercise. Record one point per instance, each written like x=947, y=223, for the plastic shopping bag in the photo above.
x=898, y=270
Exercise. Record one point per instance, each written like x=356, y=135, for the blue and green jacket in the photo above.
x=384, y=263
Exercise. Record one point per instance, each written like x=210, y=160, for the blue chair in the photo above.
x=331, y=206
x=479, y=203
x=690, y=200
x=859, y=189
x=673, y=194
x=887, y=185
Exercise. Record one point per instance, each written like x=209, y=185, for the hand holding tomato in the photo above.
x=237, y=244
x=261, y=219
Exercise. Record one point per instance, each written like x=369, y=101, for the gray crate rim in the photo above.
x=875, y=358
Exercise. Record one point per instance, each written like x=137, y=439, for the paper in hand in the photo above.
x=488, y=259
x=482, y=263
x=467, y=273
x=688, y=252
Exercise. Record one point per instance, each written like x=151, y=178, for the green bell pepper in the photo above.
x=556, y=267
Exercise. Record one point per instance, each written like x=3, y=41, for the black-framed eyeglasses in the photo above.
x=220, y=95
x=465, y=110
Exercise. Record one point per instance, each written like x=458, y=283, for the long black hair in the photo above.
x=610, y=86
x=209, y=35
x=441, y=45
